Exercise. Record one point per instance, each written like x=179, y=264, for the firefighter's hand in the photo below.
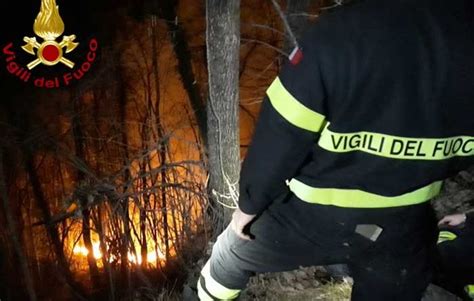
x=453, y=220
x=239, y=221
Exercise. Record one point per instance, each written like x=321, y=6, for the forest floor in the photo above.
x=312, y=284
x=306, y=284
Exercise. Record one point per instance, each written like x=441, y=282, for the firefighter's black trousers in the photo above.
x=455, y=261
x=293, y=233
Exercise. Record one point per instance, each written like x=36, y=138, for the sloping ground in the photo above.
x=304, y=284
x=313, y=284
x=458, y=194
x=309, y=284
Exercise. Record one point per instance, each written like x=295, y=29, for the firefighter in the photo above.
x=356, y=134
x=456, y=255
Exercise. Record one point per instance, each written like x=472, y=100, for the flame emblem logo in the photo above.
x=49, y=26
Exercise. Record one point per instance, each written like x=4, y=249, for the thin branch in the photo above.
x=285, y=23
x=266, y=44
x=262, y=26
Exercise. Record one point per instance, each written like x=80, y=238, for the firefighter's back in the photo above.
x=399, y=85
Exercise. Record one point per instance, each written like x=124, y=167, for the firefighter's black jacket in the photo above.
x=378, y=112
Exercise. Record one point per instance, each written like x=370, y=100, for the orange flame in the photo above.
x=152, y=257
x=48, y=24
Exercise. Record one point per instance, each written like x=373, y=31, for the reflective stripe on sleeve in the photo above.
x=214, y=290
x=397, y=147
x=470, y=290
x=292, y=110
x=353, y=198
x=446, y=236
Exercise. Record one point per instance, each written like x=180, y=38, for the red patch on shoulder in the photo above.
x=296, y=56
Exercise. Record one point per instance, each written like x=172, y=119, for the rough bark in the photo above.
x=223, y=42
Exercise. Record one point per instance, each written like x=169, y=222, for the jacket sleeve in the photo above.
x=292, y=115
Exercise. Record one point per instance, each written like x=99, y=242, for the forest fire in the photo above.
x=109, y=193
x=144, y=242
x=125, y=125
x=152, y=257
x=83, y=251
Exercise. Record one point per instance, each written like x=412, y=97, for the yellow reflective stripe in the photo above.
x=203, y=296
x=353, y=198
x=446, y=236
x=397, y=147
x=470, y=290
x=215, y=288
x=293, y=110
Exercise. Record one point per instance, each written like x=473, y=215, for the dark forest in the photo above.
x=116, y=175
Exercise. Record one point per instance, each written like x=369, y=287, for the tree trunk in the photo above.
x=18, y=118
x=185, y=68
x=51, y=228
x=13, y=235
x=160, y=126
x=124, y=214
x=80, y=176
x=223, y=42
x=105, y=256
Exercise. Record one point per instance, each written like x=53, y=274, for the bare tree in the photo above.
x=223, y=41
x=13, y=234
x=79, y=147
x=185, y=66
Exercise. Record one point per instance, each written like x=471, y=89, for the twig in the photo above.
x=304, y=15
x=336, y=4
x=266, y=44
x=285, y=23
x=262, y=26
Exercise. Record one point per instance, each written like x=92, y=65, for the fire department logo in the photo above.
x=49, y=26
x=50, y=48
